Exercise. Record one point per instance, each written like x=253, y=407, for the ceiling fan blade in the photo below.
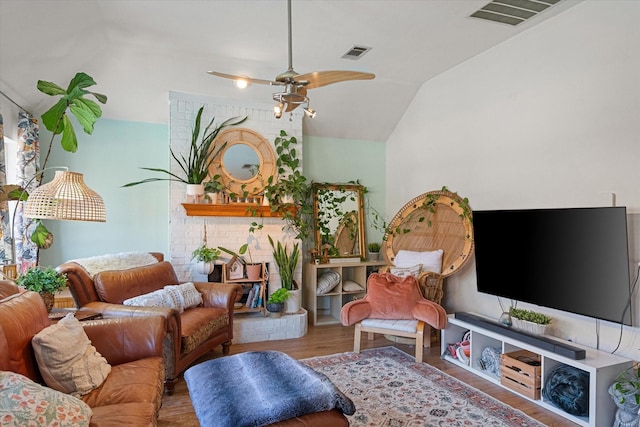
x=323, y=78
x=249, y=79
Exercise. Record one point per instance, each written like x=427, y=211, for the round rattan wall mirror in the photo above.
x=431, y=221
x=246, y=163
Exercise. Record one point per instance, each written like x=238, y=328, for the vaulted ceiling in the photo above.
x=139, y=50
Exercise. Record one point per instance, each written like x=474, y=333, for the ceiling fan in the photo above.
x=294, y=93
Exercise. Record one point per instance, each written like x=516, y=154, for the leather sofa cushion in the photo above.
x=125, y=414
x=132, y=382
x=115, y=286
x=199, y=323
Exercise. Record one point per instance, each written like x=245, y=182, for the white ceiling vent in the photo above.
x=512, y=12
x=356, y=52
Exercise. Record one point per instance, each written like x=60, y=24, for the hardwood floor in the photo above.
x=323, y=340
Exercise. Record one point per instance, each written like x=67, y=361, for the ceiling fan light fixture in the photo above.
x=309, y=112
x=241, y=83
x=277, y=110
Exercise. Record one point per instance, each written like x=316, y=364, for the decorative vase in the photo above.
x=49, y=300
x=253, y=271
x=292, y=303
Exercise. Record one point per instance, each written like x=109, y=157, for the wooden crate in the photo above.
x=520, y=371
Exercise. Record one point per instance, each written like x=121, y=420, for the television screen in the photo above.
x=574, y=260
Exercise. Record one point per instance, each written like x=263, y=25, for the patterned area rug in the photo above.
x=389, y=389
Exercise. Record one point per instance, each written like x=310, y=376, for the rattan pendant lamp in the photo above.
x=65, y=197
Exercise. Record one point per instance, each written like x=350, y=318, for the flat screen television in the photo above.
x=575, y=259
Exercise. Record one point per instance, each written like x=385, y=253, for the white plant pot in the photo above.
x=195, y=192
x=213, y=198
x=204, y=267
x=292, y=304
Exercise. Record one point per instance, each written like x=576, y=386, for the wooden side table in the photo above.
x=63, y=299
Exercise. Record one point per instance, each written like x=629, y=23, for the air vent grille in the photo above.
x=356, y=52
x=512, y=12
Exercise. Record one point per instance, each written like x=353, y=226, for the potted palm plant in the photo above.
x=287, y=263
x=44, y=280
x=195, y=167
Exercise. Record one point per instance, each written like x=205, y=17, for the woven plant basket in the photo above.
x=49, y=300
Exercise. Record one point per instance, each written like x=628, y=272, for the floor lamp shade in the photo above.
x=65, y=197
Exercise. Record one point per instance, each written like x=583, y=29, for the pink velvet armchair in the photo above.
x=394, y=306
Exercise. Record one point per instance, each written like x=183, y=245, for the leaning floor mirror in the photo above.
x=339, y=220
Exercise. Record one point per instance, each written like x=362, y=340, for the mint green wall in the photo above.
x=344, y=160
x=137, y=217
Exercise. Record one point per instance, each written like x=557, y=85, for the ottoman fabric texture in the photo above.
x=258, y=388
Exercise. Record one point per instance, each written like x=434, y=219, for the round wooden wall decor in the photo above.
x=248, y=160
x=431, y=221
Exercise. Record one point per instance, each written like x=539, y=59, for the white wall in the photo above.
x=550, y=118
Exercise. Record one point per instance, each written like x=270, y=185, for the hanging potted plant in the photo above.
x=44, y=280
x=205, y=258
x=287, y=263
x=195, y=167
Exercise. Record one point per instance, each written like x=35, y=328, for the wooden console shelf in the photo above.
x=230, y=209
x=602, y=368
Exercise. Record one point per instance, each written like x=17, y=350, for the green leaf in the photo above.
x=100, y=97
x=85, y=117
x=80, y=80
x=90, y=105
x=53, y=115
x=18, y=195
x=50, y=88
x=69, y=141
x=40, y=235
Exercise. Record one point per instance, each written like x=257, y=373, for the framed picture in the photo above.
x=236, y=270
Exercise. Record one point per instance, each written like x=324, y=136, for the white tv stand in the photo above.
x=602, y=368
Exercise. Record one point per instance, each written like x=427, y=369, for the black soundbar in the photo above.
x=542, y=342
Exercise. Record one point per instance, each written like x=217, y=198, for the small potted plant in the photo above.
x=530, y=321
x=44, y=280
x=213, y=188
x=373, y=251
x=275, y=303
x=205, y=258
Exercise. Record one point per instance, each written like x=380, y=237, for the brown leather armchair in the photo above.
x=191, y=333
x=133, y=348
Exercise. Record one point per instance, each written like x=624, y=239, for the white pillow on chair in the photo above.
x=430, y=260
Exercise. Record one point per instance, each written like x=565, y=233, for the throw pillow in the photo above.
x=327, y=282
x=26, y=403
x=190, y=295
x=351, y=286
x=414, y=271
x=67, y=360
x=430, y=260
x=168, y=298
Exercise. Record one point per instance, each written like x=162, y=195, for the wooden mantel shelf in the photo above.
x=230, y=209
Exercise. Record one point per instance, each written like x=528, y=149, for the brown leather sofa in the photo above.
x=191, y=333
x=133, y=348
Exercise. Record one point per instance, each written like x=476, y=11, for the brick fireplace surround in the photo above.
x=186, y=232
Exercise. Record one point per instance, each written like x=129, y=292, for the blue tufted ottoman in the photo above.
x=260, y=388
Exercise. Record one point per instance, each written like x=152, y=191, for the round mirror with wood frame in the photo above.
x=238, y=171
